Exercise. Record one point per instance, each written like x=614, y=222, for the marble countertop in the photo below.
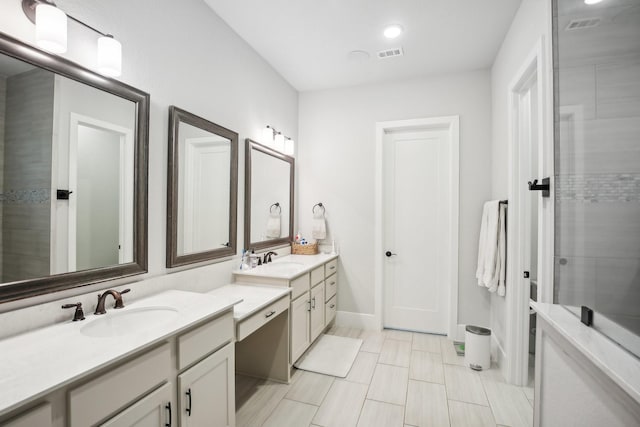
x=254, y=297
x=613, y=360
x=37, y=362
x=287, y=267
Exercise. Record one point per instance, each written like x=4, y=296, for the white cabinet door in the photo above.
x=154, y=410
x=317, y=311
x=206, y=391
x=300, y=337
x=40, y=416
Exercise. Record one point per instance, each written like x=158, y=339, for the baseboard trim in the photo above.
x=349, y=319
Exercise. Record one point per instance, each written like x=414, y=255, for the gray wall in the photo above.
x=27, y=175
x=3, y=108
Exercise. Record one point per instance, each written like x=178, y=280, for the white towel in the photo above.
x=319, y=227
x=491, y=248
x=273, y=225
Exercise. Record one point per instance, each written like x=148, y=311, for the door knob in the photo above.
x=389, y=254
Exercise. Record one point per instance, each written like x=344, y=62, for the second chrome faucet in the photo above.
x=117, y=296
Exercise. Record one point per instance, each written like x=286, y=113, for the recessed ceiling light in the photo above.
x=392, y=31
x=592, y=1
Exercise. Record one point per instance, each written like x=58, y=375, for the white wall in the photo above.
x=182, y=54
x=336, y=167
x=530, y=23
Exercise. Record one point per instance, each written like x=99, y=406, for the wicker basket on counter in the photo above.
x=308, y=249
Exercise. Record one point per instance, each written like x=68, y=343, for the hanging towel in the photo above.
x=319, y=227
x=273, y=225
x=488, y=270
x=502, y=248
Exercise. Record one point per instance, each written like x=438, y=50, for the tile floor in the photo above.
x=399, y=379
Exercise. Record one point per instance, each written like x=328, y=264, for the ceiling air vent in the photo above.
x=390, y=53
x=581, y=24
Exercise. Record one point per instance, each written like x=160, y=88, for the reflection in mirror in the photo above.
x=268, y=197
x=72, y=174
x=202, y=189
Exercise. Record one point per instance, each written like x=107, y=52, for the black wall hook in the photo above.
x=544, y=187
x=318, y=205
x=277, y=206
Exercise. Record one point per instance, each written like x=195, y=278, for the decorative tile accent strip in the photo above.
x=598, y=188
x=38, y=195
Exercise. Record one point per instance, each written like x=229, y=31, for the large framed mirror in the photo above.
x=269, y=183
x=202, y=190
x=73, y=174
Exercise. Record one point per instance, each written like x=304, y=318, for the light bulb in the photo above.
x=109, y=56
x=288, y=146
x=267, y=135
x=392, y=31
x=51, y=28
x=279, y=142
x=590, y=2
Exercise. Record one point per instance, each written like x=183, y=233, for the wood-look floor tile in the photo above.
x=310, y=388
x=290, y=413
x=426, y=342
x=449, y=355
x=362, y=368
x=343, y=331
x=426, y=405
x=389, y=384
x=464, y=385
x=380, y=414
x=426, y=367
x=395, y=334
x=245, y=387
x=394, y=352
x=264, y=397
x=342, y=405
x=372, y=341
x=509, y=404
x=468, y=414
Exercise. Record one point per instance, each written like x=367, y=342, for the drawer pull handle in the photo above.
x=270, y=314
x=332, y=283
x=309, y=302
x=333, y=267
x=188, y=393
x=314, y=303
x=332, y=306
x=168, y=408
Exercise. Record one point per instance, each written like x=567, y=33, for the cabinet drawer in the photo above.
x=300, y=286
x=117, y=388
x=331, y=267
x=247, y=326
x=330, y=310
x=197, y=343
x=40, y=416
x=317, y=275
x=330, y=287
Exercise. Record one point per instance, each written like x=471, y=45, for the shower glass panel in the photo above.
x=597, y=163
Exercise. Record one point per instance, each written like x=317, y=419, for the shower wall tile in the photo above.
x=618, y=289
x=578, y=90
x=618, y=90
x=575, y=281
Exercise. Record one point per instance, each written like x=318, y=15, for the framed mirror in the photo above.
x=202, y=190
x=73, y=180
x=269, y=177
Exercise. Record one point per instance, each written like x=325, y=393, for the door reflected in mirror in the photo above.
x=269, y=181
x=202, y=198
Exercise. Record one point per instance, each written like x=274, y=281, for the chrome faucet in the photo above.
x=267, y=257
x=102, y=298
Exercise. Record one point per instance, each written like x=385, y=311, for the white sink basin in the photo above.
x=118, y=323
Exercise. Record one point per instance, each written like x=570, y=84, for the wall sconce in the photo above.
x=276, y=140
x=51, y=35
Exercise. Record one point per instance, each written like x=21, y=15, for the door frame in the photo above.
x=515, y=370
x=452, y=124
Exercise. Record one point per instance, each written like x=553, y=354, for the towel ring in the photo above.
x=313, y=210
x=277, y=205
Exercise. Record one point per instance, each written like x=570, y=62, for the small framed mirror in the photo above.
x=269, y=183
x=202, y=190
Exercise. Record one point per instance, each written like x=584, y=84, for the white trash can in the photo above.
x=477, y=347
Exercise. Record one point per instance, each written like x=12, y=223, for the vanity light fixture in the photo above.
x=392, y=31
x=277, y=141
x=51, y=35
x=590, y=2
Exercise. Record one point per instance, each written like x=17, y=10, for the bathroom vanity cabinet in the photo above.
x=313, y=296
x=186, y=378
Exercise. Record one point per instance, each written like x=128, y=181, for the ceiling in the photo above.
x=308, y=41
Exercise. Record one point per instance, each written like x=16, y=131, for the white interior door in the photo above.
x=418, y=223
